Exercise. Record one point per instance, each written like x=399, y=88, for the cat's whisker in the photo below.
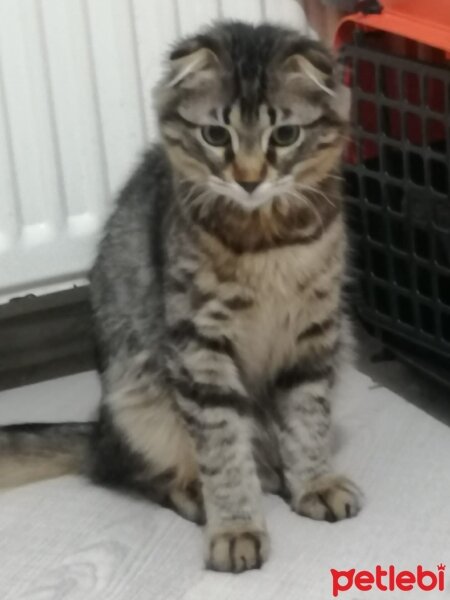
x=337, y=177
x=198, y=198
x=192, y=192
x=185, y=181
x=314, y=190
x=310, y=205
x=203, y=201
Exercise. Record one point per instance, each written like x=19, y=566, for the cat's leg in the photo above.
x=218, y=412
x=142, y=443
x=303, y=427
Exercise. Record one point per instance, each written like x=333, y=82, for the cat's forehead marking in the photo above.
x=264, y=118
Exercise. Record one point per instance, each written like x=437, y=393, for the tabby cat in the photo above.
x=217, y=296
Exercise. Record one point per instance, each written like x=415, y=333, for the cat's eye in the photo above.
x=285, y=135
x=215, y=135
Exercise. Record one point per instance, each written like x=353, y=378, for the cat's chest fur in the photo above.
x=265, y=333
x=286, y=289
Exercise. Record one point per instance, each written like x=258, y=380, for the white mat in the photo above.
x=68, y=540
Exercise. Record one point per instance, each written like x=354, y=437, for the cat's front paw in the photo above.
x=329, y=498
x=235, y=550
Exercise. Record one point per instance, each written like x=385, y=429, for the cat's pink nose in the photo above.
x=249, y=186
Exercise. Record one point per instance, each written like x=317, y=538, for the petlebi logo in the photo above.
x=388, y=580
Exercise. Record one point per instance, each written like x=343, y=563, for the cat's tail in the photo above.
x=42, y=451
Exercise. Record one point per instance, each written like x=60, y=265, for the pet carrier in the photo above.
x=397, y=174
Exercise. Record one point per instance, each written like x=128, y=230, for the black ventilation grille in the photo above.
x=397, y=194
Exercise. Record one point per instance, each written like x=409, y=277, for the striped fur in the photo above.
x=42, y=451
x=217, y=293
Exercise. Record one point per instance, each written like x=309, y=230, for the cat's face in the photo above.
x=252, y=114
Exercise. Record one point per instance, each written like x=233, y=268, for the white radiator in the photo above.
x=75, y=112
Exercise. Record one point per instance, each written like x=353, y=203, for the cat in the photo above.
x=217, y=298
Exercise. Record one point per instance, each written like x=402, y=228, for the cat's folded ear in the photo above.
x=192, y=65
x=313, y=68
x=193, y=82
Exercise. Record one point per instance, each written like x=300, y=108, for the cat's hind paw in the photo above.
x=188, y=502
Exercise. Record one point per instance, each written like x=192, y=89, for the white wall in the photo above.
x=75, y=112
